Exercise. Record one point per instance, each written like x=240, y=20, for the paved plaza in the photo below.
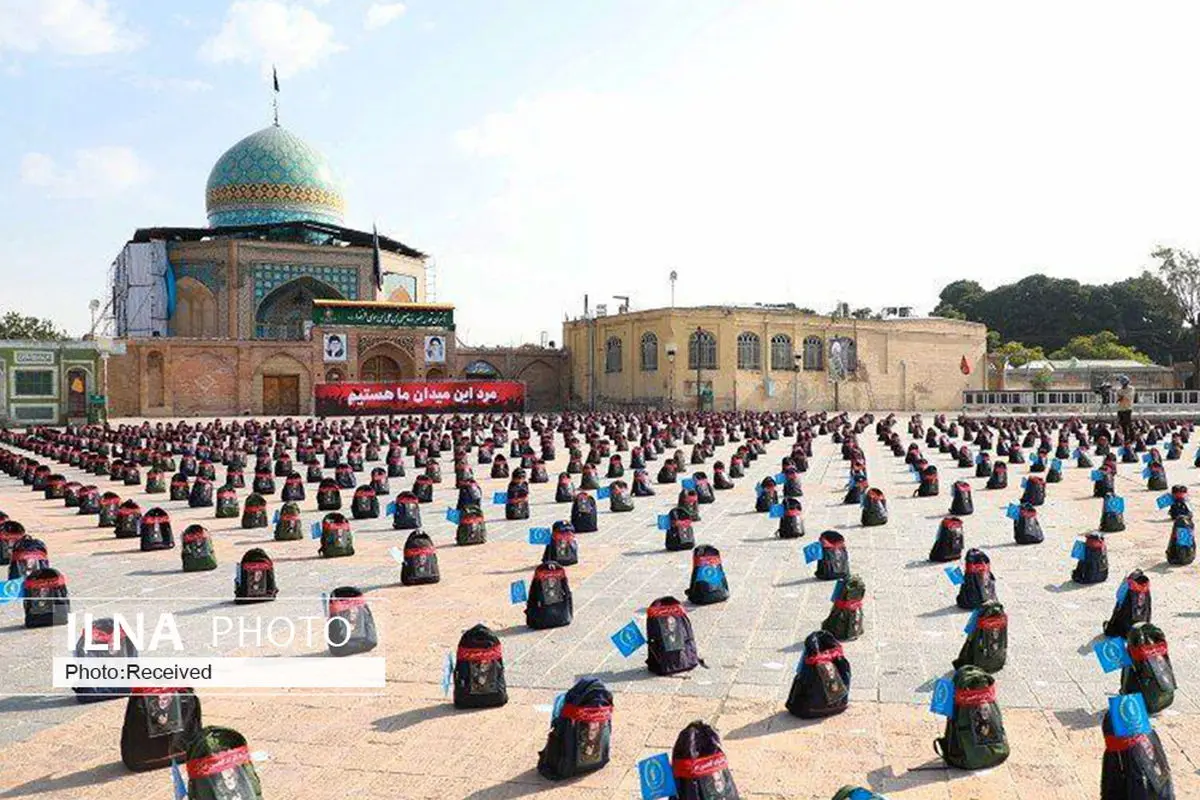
x=408, y=741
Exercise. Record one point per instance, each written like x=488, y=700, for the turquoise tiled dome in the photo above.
x=272, y=176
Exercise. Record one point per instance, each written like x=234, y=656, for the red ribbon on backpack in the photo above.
x=542, y=573
x=211, y=765
x=480, y=654
x=256, y=566
x=692, y=768
x=34, y=584
x=1148, y=651
x=667, y=610
x=1137, y=586
x=1119, y=744
x=413, y=552
x=157, y=690
x=339, y=604
x=824, y=656
x=978, y=568
x=830, y=544
x=586, y=713
x=706, y=561
x=975, y=697
x=1095, y=542
x=847, y=605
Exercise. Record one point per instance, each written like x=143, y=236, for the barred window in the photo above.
x=814, y=353
x=612, y=354
x=33, y=383
x=749, y=351
x=781, y=351
x=702, y=350
x=649, y=352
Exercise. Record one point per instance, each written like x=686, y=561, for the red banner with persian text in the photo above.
x=417, y=397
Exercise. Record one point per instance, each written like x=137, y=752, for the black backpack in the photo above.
x=564, y=492
x=329, y=496
x=471, y=527
x=423, y=488
x=255, y=581
x=11, y=532
x=619, y=498
x=1026, y=528
x=983, y=466
x=201, y=493
x=337, y=539
x=979, y=584
x=351, y=625
x=974, y=736
x=562, y=548
x=420, y=565
x=254, y=513
x=1035, y=491
x=581, y=732
x=27, y=556
x=479, y=670
x=834, y=562
x=791, y=524
x=110, y=504
x=821, y=687
x=293, y=489
x=1093, y=567
x=986, y=646
x=768, y=496
x=680, y=535
x=407, y=514
x=699, y=765
x=549, y=604
x=1134, y=767
x=928, y=486
x=129, y=517
x=708, y=584
x=1133, y=605
x=155, y=529
x=961, y=503
x=516, y=502
x=364, y=504
x=197, y=550
x=1111, y=521
x=104, y=631
x=159, y=724
x=670, y=642
x=46, y=599
x=288, y=526
x=948, y=544
x=1151, y=672
x=999, y=477
x=227, y=503
x=1177, y=554
x=845, y=620
x=179, y=489
x=583, y=513
x=219, y=767
x=874, y=510
x=264, y=482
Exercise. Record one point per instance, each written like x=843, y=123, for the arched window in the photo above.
x=334, y=375
x=814, y=353
x=749, y=351
x=649, y=352
x=847, y=351
x=781, y=351
x=702, y=350
x=379, y=369
x=482, y=370
x=195, y=310
x=612, y=354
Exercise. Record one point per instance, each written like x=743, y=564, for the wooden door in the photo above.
x=281, y=395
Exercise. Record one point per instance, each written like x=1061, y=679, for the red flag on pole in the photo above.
x=965, y=366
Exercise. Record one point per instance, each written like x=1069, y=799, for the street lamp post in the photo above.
x=797, y=360
x=671, y=379
x=699, y=361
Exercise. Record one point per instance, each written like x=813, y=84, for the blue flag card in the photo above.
x=453, y=515
x=447, y=674
x=656, y=778
x=859, y=793
x=539, y=536
x=628, y=639
x=1076, y=452
x=942, y=702
x=1145, y=472
x=1163, y=500
x=775, y=511
x=499, y=498
x=314, y=530
x=1114, y=504
x=1097, y=474
x=603, y=493
x=664, y=522
x=391, y=509
x=275, y=517
x=837, y=590
x=979, y=458
x=812, y=552
x=780, y=478
x=1024, y=482
x=1122, y=590
x=1146, y=457
x=1013, y=511
x=1079, y=550
x=1056, y=465
x=325, y=603
x=237, y=574
x=517, y=592
x=972, y=622
x=1112, y=653
x=559, y=702
x=955, y=574
x=712, y=574
x=1127, y=713
x=1185, y=537
x=178, y=784
x=11, y=590
x=397, y=555
x=689, y=484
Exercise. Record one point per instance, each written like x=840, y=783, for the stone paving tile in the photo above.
x=409, y=742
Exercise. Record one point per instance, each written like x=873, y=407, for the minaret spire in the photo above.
x=275, y=99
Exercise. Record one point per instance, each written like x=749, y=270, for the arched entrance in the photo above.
x=77, y=392
x=542, y=387
x=386, y=364
x=281, y=381
x=195, y=310
x=285, y=312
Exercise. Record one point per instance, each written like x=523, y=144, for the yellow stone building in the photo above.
x=770, y=357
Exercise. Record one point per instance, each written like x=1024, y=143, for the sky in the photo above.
x=777, y=151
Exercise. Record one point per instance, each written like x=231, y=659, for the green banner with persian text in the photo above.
x=384, y=316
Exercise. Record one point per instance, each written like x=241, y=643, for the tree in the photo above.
x=1180, y=271
x=861, y=313
x=19, y=326
x=1102, y=345
x=1042, y=380
x=957, y=300
x=1018, y=354
x=993, y=341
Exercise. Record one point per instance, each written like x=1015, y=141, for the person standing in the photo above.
x=1125, y=397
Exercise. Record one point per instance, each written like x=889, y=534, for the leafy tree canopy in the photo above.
x=1104, y=344
x=19, y=326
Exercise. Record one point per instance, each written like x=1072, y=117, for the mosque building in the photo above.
x=276, y=295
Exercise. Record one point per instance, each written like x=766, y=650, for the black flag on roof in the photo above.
x=376, y=260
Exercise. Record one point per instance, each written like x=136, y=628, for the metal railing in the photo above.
x=1077, y=400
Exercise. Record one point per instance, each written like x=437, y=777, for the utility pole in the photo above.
x=674, y=277
x=699, y=361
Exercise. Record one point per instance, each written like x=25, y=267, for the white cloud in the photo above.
x=153, y=83
x=97, y=172
x=69, y=27
x=380, y=14
x=268, y=32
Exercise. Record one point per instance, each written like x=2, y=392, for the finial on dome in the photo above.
x=275, y=99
